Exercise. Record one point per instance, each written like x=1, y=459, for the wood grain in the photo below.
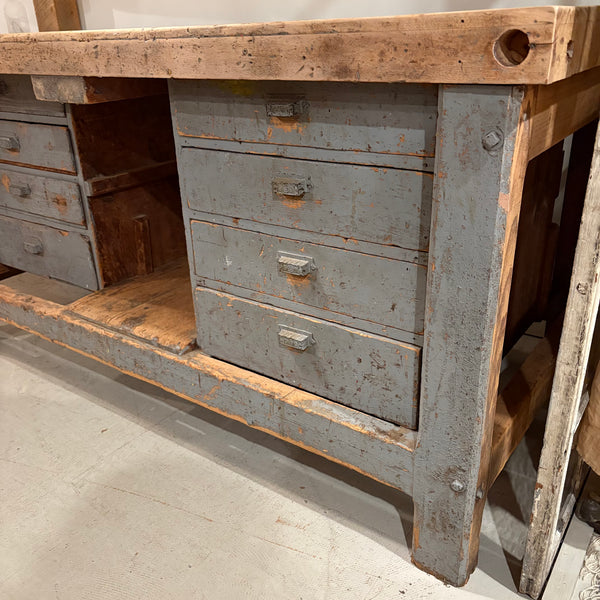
x=157, y=308
x=57, y=15
x=372, y=49
x=571, y=366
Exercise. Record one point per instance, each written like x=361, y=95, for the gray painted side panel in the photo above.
x=371, y=446
x=60, y=254
x=468, y=238
x=44, y=146
x=388, y=118
x=364, y=286
x=41, y=195
x=384, y=206
x=369, y=373
x=16, y=95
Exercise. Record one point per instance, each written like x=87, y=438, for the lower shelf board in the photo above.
x=157, y=308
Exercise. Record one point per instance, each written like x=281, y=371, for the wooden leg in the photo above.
x=481, y=158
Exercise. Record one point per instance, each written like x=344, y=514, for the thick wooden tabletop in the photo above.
x=526, y=45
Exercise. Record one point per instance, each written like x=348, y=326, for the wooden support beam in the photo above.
x=571, y=366
x=57, y=15
x=371, y=446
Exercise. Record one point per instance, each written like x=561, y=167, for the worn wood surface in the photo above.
x=518, y=403
x=57, y=253
x=41, y=195
x=367, y=287
x=389, y=119
x=470, y=47
x=536, y=245
x=16, y=96
x=45, y=147
x=370, y=373
x=365, y=444
x=379, y=205
x=560, y=109
x=567, y=388
x=476, y=205
x=57, y=15
x=123, y=243
x=93, y=90
x=157, y=308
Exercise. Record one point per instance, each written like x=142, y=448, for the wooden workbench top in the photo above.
x=526, y=45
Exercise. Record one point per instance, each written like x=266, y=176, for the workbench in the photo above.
x=357, y=197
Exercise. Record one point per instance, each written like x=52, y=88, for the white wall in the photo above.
x=108, y=14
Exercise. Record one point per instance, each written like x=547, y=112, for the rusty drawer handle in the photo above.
x=33, y=246
x=286, y=108
x=290, y=186
x=20, y=191
x=9, y=143
x=295, y=264
x=295, y=338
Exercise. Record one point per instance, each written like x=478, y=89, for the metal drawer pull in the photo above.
x=290, y=186
x=295, y=264
x=286, y=108
x=295, y=338
x=33, y=247
x=9, y=143
x=20, y=190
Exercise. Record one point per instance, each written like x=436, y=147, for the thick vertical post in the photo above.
x=481, y=157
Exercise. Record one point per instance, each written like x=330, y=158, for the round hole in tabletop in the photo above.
x=512, y=48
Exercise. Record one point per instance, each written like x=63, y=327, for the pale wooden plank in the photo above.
x=374, y=49
x=57, y=15
x=157, y=308
x=567, y=388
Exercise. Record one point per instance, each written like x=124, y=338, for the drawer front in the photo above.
x=40, y=195
x=64, y=255
x=384, y=206
x=381, y=290
x=16, y=96
x=32, y=144
x=369, y=373
x=386, y=118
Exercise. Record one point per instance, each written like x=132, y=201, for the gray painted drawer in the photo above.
x=381, y=290
x=370, y=373
x=64, y=255
x=384, y=118
x=33, y=144
x=16, y=96
x=41, y=195
x=384, y=206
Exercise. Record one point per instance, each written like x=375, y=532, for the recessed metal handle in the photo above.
x=9, y=142
x=286, y=108
x=20, y=190
x=290, y=186
x=33, y=246
x=295, y=338
x=295, y=264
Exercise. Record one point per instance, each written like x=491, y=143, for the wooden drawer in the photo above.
x=367, y=372
x=381, y=290
x=16, y=96
x=384, y=118
x=41, y=195
x=64, y=255
x=32, y=144
x=384, y=206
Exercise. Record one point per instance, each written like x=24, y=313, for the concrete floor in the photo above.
x=112, y=488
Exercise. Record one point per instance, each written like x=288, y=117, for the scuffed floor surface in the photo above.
x=112, y=488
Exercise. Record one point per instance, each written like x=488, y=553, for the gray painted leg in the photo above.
x=481, y=157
